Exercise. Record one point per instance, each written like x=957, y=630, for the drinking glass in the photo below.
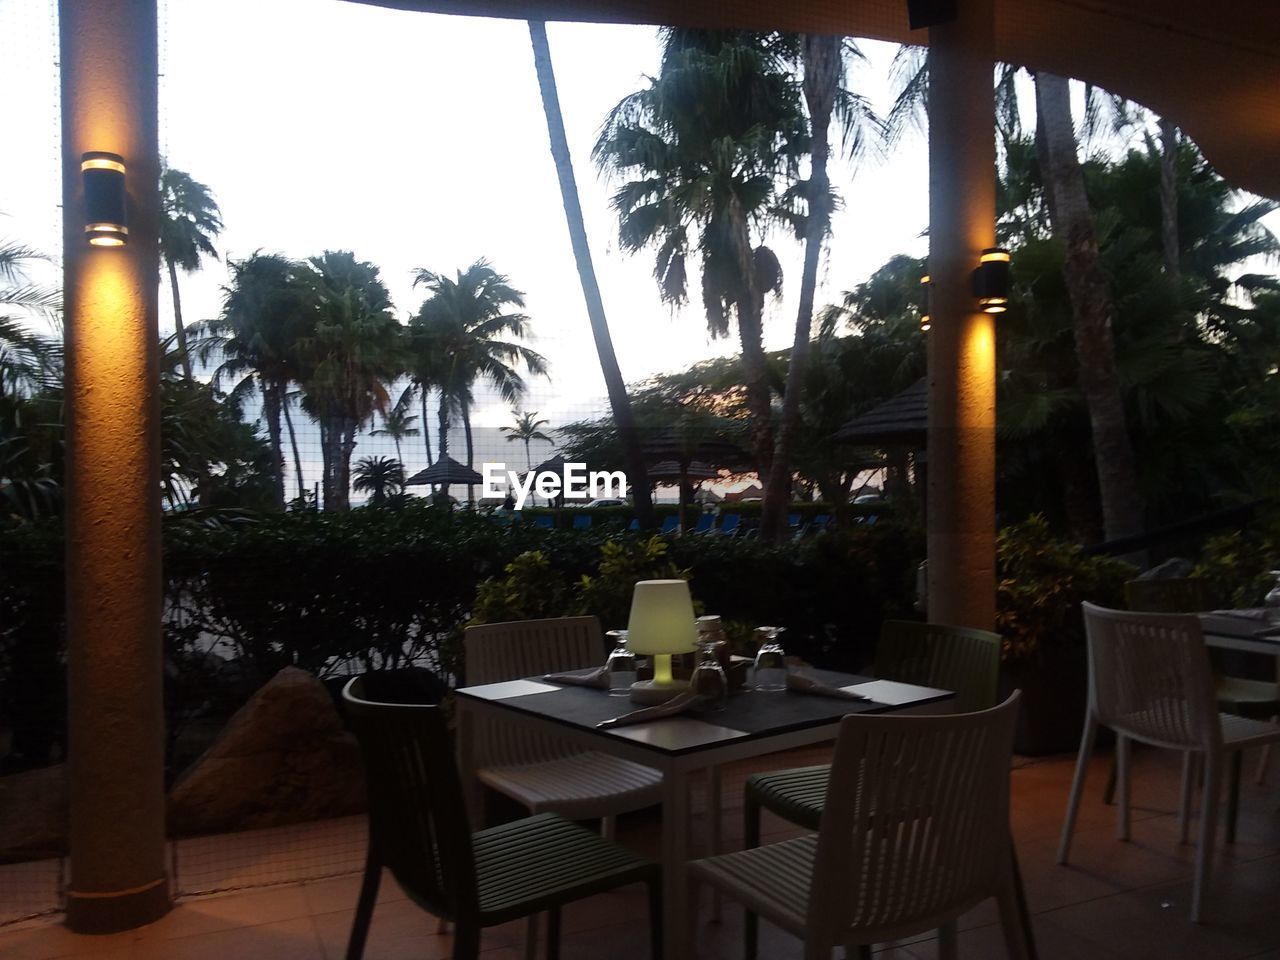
x=709, y=680
x=1272, y=601
x=621, y=665
x=771, y=662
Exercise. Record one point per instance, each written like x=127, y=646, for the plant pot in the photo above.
x=1054, y=685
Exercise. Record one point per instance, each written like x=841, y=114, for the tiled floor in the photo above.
x=1116, y=900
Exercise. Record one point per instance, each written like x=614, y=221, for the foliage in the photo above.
x=1043, y=581
x=607, y=592
x=529, y=589
x=1237, y=565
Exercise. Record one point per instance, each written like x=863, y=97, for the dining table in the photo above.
x=1249, y=630
x=750, y=724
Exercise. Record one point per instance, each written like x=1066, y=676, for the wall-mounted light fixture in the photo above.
x=104, y=199
x=925, y=322
x=991, y=280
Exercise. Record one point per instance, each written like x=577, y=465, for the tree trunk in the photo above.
x=293, y=441
x=426, y=427
x=271, y=413
x=755, y=373
x=619, y=402
x=443, y=413
x=346, y=444
x=821, y=81
x=179, y=331
x=1169, y=198
x=326, y=464
x=1091, y=310
x=466, y=429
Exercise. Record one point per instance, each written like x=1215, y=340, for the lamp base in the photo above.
x=650, y=694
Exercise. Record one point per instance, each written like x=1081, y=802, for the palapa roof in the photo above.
x=900, y=420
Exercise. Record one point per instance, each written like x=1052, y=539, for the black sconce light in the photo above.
x=104, y=199
x=925, y=322
x=991, y=280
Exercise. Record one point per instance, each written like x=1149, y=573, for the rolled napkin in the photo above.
x=798, y=683
x=598, y=678
x=676, y=705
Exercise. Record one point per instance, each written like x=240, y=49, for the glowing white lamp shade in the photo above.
x=662, y=624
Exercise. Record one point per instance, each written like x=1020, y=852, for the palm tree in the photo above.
x=1092, y=310
x=704, y=145
x=354, y=351
x=526, y=429
x=397, y=423
x=619, y=401
x=189, y=222
x=824, y=60
x=27, y=360
x=462, y=323
x=267, y=311
x=380, y=477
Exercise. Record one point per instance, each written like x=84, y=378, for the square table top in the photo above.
x=751, y=715
x=1247, y=624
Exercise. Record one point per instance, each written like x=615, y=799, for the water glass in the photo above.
x=771, y=662
x=1272, y=601
x=709, y=681
x=621, y=665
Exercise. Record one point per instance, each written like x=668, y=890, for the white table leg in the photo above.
x=675, y=852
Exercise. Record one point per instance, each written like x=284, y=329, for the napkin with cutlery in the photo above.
x=598, y=678
x=677, y=705
x=798, y=683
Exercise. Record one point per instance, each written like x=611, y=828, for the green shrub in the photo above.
x=1237, y=565
x=1043, y=581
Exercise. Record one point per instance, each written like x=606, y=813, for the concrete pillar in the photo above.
x=116, y=716
x=962, y=371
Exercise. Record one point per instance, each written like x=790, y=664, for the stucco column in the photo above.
x=962, y=372
x=116, y=716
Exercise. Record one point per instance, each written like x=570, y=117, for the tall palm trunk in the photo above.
x=1091, y=310
x=466, y=429
x=426, y=427
x=271, y=402
x=346, y=445
x=528, y=457
x=821, y=81
x=755, y=373
x=1169, y=198
x=179, y=330
x=615, y=386
x=326, y=462
x=293, y=442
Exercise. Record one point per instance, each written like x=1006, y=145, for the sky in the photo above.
x=418, y=140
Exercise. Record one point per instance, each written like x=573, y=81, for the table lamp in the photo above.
x=662, y=623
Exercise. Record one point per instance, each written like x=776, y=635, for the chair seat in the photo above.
x=580, y=786
x=1251, y=697
x=1240, y=732
x=772, y=880
x=530, y=864
x=797, y=795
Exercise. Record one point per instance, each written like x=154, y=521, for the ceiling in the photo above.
x=1214, y=68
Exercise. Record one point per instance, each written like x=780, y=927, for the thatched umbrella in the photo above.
x=689, y=441
x=445, y=471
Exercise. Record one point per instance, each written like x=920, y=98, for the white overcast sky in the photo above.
x=418, y=140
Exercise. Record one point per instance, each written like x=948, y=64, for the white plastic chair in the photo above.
x=537, y=771
x=1150, y=681
x=914, y=832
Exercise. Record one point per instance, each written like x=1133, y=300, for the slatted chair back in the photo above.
x=1150, y=679
x=1173, y=595
x=417, y=818
x=915, y=825
x=949, y=658
x=496, y=652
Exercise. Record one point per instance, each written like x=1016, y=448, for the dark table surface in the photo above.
x=753, y=713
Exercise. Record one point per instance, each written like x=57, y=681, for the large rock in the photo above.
x=33, y=814
x=284, y=757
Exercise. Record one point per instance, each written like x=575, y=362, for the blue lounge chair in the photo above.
x=544, y=520
x=669, y=524
x=793, y=520
x=635, y=524
x=729, y=523
x=706, y=522
x=820, y=523
x=582, y=521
